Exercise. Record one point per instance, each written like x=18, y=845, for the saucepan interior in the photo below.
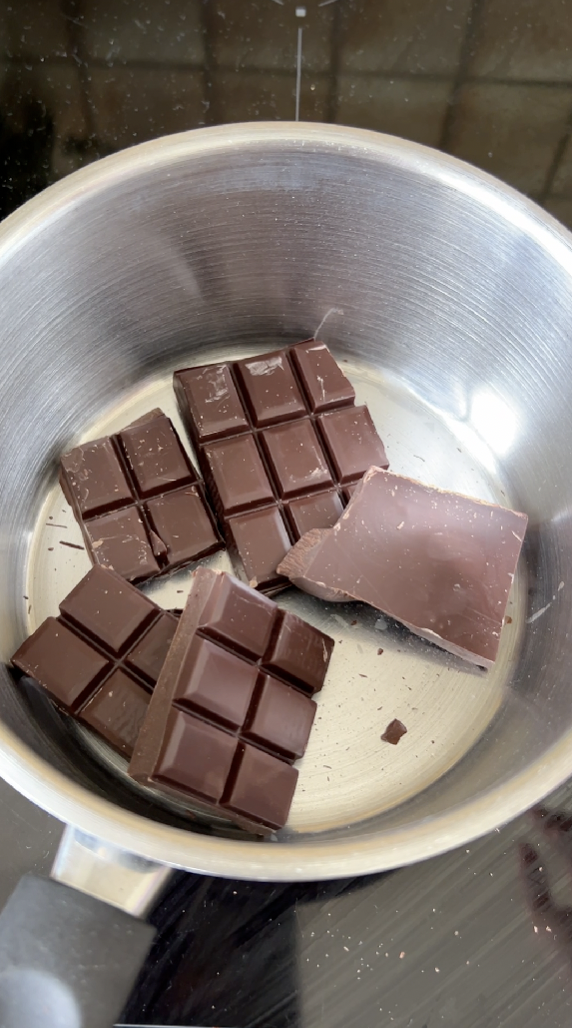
x=449, y=300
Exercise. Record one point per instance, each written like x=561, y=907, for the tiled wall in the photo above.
x=487, y=80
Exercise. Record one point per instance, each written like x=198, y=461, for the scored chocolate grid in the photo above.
x=256, y=431
x=139, y=502
x=116, y=663
x=211, y=718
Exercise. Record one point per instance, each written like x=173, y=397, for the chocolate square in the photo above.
x=261, y=788
x=298, y=652
x=216, y=683
x=296, y=459
x=67, y=666
x=282, y=719
x=148, y=656
x=237, y=476
x=196, y=756
x=238, y=619
x=261, y=538
x=211, y=398
x=181, y=521
x=96, y=478
x=156, y=457
x=108, y=610
x=319, y=511
x=117, y=711
x=352, y=442
x=270, y=389
x=323, y=381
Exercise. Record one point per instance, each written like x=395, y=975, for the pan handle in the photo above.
x=69, y=958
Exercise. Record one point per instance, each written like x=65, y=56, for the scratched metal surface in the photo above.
x=241, y=232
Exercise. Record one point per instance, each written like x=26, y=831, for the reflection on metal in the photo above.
x=110, y=874
x=494, y=420
x=298, y=73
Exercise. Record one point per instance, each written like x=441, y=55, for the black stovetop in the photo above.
x=473, y=938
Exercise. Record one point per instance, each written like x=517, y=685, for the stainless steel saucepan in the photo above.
x=449, y=298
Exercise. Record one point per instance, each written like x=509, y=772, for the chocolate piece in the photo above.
x=231, y=709
x=100, y=659
x=139, y=501
x=441, y=563
x=279, y=442
x=394, y=732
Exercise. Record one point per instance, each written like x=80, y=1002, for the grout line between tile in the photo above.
x=465, y=57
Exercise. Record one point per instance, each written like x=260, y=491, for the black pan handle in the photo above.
x=67, y=960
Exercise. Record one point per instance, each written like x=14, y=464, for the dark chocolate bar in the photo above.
x=441, y=563
x=139, y=501
x=280, y=444
x=231, y=710
x=99, y=660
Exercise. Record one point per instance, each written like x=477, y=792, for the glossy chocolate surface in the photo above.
x=441, y=563
x=275, y=459
x=139, y=501
x=100, y=658
x=232, y=710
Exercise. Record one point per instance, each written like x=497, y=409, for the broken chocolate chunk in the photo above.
x=139, y=501
x=441, y=563
x=394, y=732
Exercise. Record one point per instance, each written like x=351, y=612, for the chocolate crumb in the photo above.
x=379, y=652
x=508, y=620
x=353, y=622
x=50, y=548
x=394, y=731
x=72, y=546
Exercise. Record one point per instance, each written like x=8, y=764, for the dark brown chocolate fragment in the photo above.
x=441, y=563
x=394, y=732
x=100, y=659
x=138, y=500
x=231, y=710
x=273, y=469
